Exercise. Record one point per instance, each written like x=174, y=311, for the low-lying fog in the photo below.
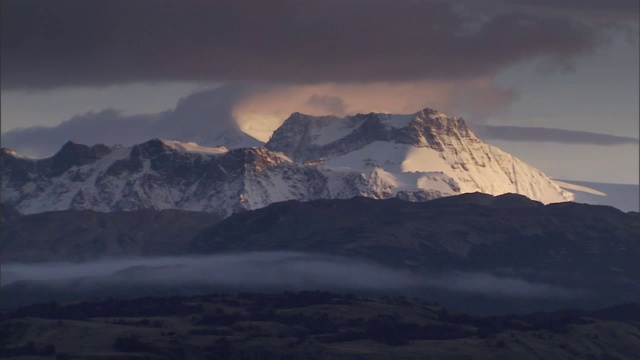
x=281, y=270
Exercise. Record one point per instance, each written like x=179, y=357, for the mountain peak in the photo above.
x=73, y=153
x=432, y=112
x=150, y=148
x=431, y=117
x=429, y=150
x=305, y=137
x=13, y=153
x=73, y=146
x=435, y=114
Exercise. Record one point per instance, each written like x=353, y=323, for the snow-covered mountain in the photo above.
x=427, y=151
x=415, y=157
x=162, y=174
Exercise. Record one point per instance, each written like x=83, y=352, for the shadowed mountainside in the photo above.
x=471, y=231
x=85, y=235
x=477, y=241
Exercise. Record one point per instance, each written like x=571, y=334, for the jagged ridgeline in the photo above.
x=415, y=157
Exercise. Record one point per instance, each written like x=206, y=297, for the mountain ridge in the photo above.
x=415, y=157
x=423, y=144
x=589, y=253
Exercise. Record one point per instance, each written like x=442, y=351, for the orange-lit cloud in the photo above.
x=262, y=112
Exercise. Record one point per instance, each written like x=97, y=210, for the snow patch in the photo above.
x=330, y=129
x=424, y=159
x=384, y=154
x=194, y=148
x=14, y=153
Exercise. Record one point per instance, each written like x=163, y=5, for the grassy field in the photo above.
x=308, y=325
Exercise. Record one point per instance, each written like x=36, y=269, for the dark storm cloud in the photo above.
x=624, y=8
x=540, y=134
x=48, y=44
x=94, y=127
x=611, y=16
x=200, y=117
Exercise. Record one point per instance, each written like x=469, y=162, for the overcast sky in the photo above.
x=567, y=66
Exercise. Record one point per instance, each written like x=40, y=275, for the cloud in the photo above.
x=621, y=6
x=48, y=44
x=330, y=104
x=488, y=284
x=247, y=115
x=289, y=270
x=205, y=117
x=282, y=269
x=541, y=134
x=225, y=115
x=264, y=111
x=600, y=10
